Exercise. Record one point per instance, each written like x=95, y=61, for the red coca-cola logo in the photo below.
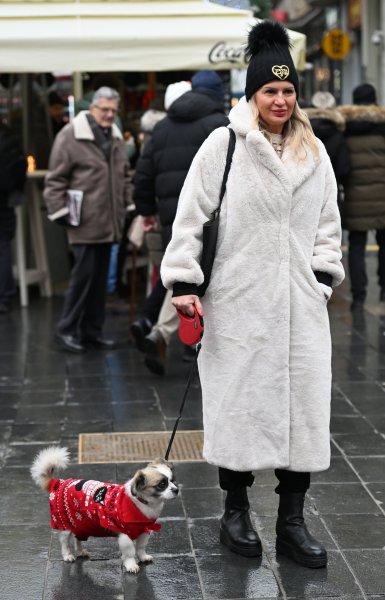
x=221, y=52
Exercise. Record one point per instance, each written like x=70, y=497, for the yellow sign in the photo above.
x=336, y=44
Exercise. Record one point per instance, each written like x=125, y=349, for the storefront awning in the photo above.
x=125, y=36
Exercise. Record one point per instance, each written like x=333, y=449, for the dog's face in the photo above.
x=154, y=484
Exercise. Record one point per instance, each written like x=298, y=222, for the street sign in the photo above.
x=336, y=44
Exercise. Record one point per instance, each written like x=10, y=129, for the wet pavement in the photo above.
x=47, y=396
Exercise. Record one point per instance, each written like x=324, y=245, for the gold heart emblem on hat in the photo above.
x=281, y=71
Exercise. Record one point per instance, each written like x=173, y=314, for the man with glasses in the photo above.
x=88, y=172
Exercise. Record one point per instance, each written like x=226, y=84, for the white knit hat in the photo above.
x=323, y=100
x=175, y=91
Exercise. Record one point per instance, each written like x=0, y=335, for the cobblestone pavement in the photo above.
x=47, y=397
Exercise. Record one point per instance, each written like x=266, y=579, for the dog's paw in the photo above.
x=83, y=554
x=69, y=558
x=145, y=558
x=131, y=566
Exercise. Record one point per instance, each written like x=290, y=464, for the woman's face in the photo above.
x=275, y=102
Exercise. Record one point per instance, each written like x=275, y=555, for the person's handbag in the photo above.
x=210, y=228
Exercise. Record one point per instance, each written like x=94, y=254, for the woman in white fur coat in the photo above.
x=265, y=363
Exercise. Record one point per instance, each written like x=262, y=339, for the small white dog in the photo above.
x=85, y=507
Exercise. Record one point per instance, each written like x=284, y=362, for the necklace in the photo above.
x=276, y=142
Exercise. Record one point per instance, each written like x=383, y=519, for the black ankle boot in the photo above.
x=236, y=531
x=293, y=537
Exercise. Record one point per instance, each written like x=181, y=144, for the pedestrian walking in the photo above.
x=364, y=205
x=88, y=169
x=160, y=174
x=329, y=126
x=265, y=363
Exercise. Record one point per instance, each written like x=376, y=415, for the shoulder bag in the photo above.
x=210, y=228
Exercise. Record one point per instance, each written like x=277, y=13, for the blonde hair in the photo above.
x=297, y=131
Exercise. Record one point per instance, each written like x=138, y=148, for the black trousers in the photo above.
x=7, y=233
x=357, y=266
x=289, y=481
x=83, y=312
x=154, y=301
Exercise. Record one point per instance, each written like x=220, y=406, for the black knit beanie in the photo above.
x=364, y=94
x=268, y=50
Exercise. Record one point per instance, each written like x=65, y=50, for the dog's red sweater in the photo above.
x=92, y=508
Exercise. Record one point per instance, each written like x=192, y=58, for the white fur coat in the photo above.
x=265, y=364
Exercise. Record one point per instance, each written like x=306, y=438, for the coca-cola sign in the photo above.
x=222, y=53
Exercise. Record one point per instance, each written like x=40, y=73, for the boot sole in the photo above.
x=306, y=561
x=257, y=551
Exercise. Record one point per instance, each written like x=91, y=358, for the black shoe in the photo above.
x=69, y=342
x=155, y=348
x=100, y=342
x=293, y=537
x=237, y=532
x=382, y=295
x=139, y=329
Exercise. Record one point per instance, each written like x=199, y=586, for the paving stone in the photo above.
x=370, y=469
x=350, y=425
x=335, y=581
x=21, y=578
x=173, y=578
x=368, y=566
x=196, y=475
x=229, y=575
x=17, y=509
x=372, y=444
x=339, y=472
x=357, y=531
x=30, y=540
x=342, y=498
x=205, y=536
x=94, y=579
x=207, y=503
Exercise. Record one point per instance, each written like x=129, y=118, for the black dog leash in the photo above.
x=183, y=401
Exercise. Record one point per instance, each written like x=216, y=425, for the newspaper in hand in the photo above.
x=74, y=204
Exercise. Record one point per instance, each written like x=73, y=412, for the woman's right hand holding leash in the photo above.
x=186, y=304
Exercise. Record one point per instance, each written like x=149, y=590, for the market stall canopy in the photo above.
x=125, y=36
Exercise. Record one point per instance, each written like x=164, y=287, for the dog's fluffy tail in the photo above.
x=46, y=462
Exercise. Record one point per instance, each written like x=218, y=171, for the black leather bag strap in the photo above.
x=229, y=158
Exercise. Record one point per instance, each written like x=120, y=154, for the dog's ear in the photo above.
x=161, y=461
x=138, y=483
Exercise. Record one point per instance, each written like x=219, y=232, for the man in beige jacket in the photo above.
x=88, y=166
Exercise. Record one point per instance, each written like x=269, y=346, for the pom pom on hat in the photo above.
x=266, y=34
x=208, y=81
x=268, y=50
x=175, y=91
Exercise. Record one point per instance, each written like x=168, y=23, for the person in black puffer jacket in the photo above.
x=329, y=126
x=161, y=170
x=364, y=204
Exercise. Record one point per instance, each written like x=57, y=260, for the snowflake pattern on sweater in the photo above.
x=93, y=508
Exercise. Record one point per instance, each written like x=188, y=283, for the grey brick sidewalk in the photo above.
x=50, y=397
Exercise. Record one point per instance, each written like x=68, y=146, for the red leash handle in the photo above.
x=191, y=328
